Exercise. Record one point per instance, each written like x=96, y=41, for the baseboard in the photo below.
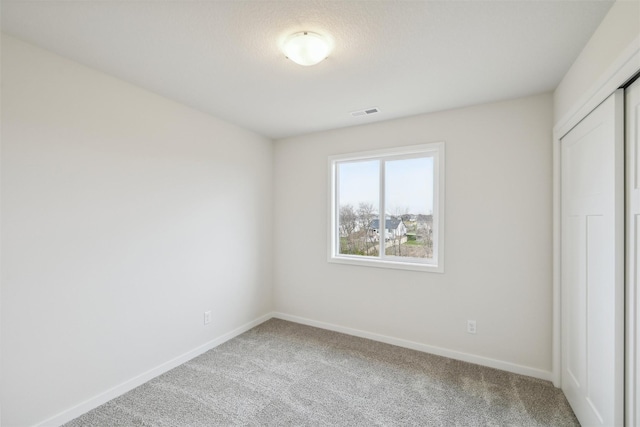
x=138, y=380
x=452, y=354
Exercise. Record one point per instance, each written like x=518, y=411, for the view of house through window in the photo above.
x=386, y=204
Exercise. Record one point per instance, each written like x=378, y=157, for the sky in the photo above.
x=409, y=184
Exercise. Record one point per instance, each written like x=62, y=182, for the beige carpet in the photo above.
x=285, y=374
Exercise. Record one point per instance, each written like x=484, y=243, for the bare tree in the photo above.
x=425, y=232
x=366, y=215
x=348, y=225
x=399, y=213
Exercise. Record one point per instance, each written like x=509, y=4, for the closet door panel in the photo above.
x=592, y=182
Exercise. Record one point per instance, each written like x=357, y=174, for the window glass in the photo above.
x=409, y=207
x=358, y=203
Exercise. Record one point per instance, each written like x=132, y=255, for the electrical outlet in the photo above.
x=207, y=317
x=471, y=326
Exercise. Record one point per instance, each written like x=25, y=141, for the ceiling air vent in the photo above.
x=366, y=112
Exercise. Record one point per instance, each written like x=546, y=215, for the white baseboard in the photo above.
x=138, y=380
x=452, y=354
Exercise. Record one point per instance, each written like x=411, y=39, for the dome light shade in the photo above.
x=306, y=48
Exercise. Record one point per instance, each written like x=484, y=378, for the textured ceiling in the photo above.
x=405, y=57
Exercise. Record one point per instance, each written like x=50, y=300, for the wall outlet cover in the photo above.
x=471, y=326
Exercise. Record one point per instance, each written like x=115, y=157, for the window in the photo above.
x=387, y=208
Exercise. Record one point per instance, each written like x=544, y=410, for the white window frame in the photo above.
x=434, y=265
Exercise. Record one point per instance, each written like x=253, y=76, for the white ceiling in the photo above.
x=405, y=57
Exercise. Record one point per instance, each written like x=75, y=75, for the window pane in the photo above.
x=409, y=207
x=358, y=204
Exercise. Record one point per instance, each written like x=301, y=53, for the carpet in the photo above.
x=285, y=374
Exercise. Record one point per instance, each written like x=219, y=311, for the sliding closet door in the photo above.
x=632, y=142
x=592, y=162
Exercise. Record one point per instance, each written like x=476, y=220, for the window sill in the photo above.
x=395, y=265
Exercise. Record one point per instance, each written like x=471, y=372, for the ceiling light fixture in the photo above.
x=306, y=48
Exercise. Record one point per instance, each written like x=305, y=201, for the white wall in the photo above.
x=498, y=236
x=619, y=29
x=125, y=217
